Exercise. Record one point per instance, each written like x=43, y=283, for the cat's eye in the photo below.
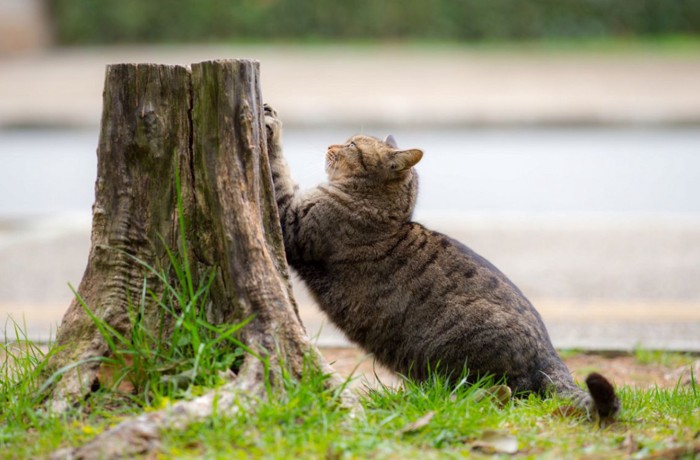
x=352, y=144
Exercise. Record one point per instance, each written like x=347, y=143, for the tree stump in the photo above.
x=145, y=130
x=207, y=124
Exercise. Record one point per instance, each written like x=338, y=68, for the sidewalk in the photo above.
x=385, y=85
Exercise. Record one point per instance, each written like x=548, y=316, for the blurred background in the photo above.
x=561, y=138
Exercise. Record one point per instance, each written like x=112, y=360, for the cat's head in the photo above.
x=368, y=157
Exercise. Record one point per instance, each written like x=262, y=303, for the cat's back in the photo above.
x=420, y=265
x=423, y=262
x=418, y=294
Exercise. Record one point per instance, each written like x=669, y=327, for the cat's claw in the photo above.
x=269, y=111
x=273, y=125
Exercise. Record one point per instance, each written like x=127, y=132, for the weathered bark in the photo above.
x=237, y=225
x=145, y=129
x=219, y=143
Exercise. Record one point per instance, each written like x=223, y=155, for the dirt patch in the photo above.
x=362, y=366
x=622, y=369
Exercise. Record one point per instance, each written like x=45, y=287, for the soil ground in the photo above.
x=622, y=369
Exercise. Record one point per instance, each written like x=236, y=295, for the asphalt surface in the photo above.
x=605, y=283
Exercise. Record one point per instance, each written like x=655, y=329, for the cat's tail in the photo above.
x=605, y=401
x=600, y=400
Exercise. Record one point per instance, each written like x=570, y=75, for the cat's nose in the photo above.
x=333, y=147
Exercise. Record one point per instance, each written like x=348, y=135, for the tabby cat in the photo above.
x=418, y=300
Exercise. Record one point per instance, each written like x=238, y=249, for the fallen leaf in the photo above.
x=111, y=372
x=629, y=444
x=501, y=394
x=418, y=424
x=496, y=442
x=568, y=411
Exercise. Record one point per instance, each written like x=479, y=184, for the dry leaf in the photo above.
x=418, y=424
x=500, y=393
x=568, y=411
x=496, y=442
x=629, y=444
x=109, y=372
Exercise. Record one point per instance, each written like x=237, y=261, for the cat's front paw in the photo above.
x=273, y=126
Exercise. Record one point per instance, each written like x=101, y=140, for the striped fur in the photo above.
x=416, y=298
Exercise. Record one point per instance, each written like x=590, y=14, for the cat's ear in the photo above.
x=406, y=159
x=391, y=142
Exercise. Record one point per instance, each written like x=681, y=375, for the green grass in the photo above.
x=305, y=420
x=664, y=358
x=177, y=353
x=308, y=423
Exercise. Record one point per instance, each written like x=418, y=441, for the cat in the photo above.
x=420, y=301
